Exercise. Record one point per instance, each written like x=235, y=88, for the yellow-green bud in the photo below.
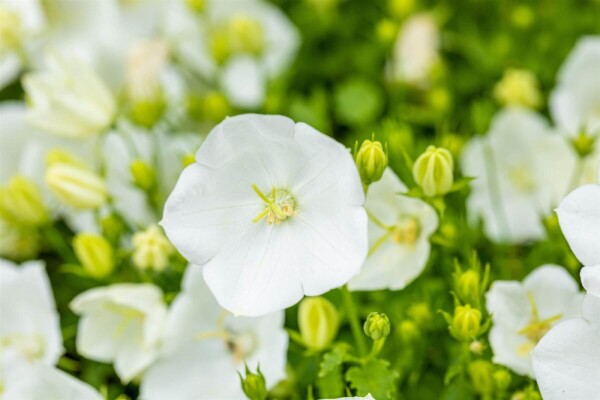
x=151, y=249
x=76, y=186
x=468, y=286
x=377, y=326
x=18, y=243
x=220, y=46
x=21, y=203
x=147, y=112
x=528, y=394
x=522, y=16
x=408, y=331
x=318, y=320
x=434, y=171
x=10, y=29
x=584, y=144
x=371, y=160
x=254, y=385
x=518, y=87
x=143, y=174
x=401, y=8
x=246, y=34
x=476, y=347
x=480, y=373
x=386, y=30
x=112, y=227
x=196, y=6
x=95, y=254
x=466, y=323
x=502, y=379
x=215, y=106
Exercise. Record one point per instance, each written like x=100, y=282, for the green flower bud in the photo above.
x=143, y=174
x=502, y=379
x=401, y=8
x=318, y=320
x=254, y=385
x=196, y=6
x=480, y=373
x=371, y=160
x=528, y=394
x=409, y=332
x=519, y=88
x=377, y=326
x=476, y=347
x=433, y=171
x=466, y=323
x=21, y=203
x=386, y=30
x=75, y=185
x=584, y=144
x=468, y=286
x=147, y=112
x=151, y=249
x=95, y=254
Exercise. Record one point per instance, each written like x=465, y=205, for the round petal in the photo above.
x=244, y=82
x=590, y=279
x=579, y=217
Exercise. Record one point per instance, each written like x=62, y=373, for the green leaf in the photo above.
x=373, y=377
x=461, y=184
x=334, y=359
x=331, y=385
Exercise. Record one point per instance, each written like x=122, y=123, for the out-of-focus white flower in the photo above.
x=69, y=99
x=205, y=347
x=146, y=62
x=522, y=170
x=30, y=324
x=566, y=361
x=399, y=230
x=522, y=313
x=242, y=45
x=121, y=323
x=416, y=50
x=274, y=210
x=575, y=102
x=579, y=218
x=151, y=249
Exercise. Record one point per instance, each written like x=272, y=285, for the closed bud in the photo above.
x=21, y=203
x=151, y=249
x=371, y=160
x=408, y=331
x=318, y=320
x=76, y=186
x=584, y=144
x=434, y=171
x=147, y=112
x=518, y=88
x=468, y=286
x=502, y=379
x=480, y=373
x=196, y=6
x=476, y=347
x=528, y=394
x=466, y=323
x=95, y=254
x=254, y=385
x=143, y=174
x=377, y=326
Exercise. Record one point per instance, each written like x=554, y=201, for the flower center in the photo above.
x=30, y=346
x=537, y=328
x=407, y=231
x=522, y=179
x=241, y=344
x=279, y=205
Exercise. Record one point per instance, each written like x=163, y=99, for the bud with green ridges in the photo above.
x=318, y=320
x=434, y=171
x=377, y=326
x=371, y=161
x=481, y=376
x=502, y=379
x=468, y=286
x=143, y=174
x=466, y=323
x=21, y=203
x=254, y=384
x=95, y=254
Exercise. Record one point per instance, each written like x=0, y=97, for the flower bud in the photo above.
x=377, y=326
x=468, y=286
x=409, y=332
x=95, y=254
x=76, y=186
x=466, y=322
x=584, y=144
x=10, y=29
x=401, y=8
x=254, y=385
x=371, y=160
x=518, y=87
x=480, y=373
x=433, y=171
x=502, y=379
x=143, y=174
x=246, y=35
x=147, y=112
x=318, y=320
x=196, y=6
x=528, y=394
x=18, y=243
x=21, y=203
x=151, y=249
x=69, y=99
x=476, y=347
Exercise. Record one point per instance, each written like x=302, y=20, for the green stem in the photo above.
x=55, y=239
x=354, y=320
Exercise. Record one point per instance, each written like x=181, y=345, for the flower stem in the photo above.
x=354, y=320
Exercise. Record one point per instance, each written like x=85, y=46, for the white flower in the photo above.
x=567, y=360
x=30, y=325
x=69, y=99
x=575, y=102
x=39, y=381
x=416, y=50
x=274, y=210
x=579, y=218
x=522, y=169
x=522, y=313
x=241, y=45
x=121, y=323
x=205, y=347
x=399, y=230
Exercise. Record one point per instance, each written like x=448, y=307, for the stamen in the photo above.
x=279, y=205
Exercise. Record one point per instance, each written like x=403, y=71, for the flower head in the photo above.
x=274, y=210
